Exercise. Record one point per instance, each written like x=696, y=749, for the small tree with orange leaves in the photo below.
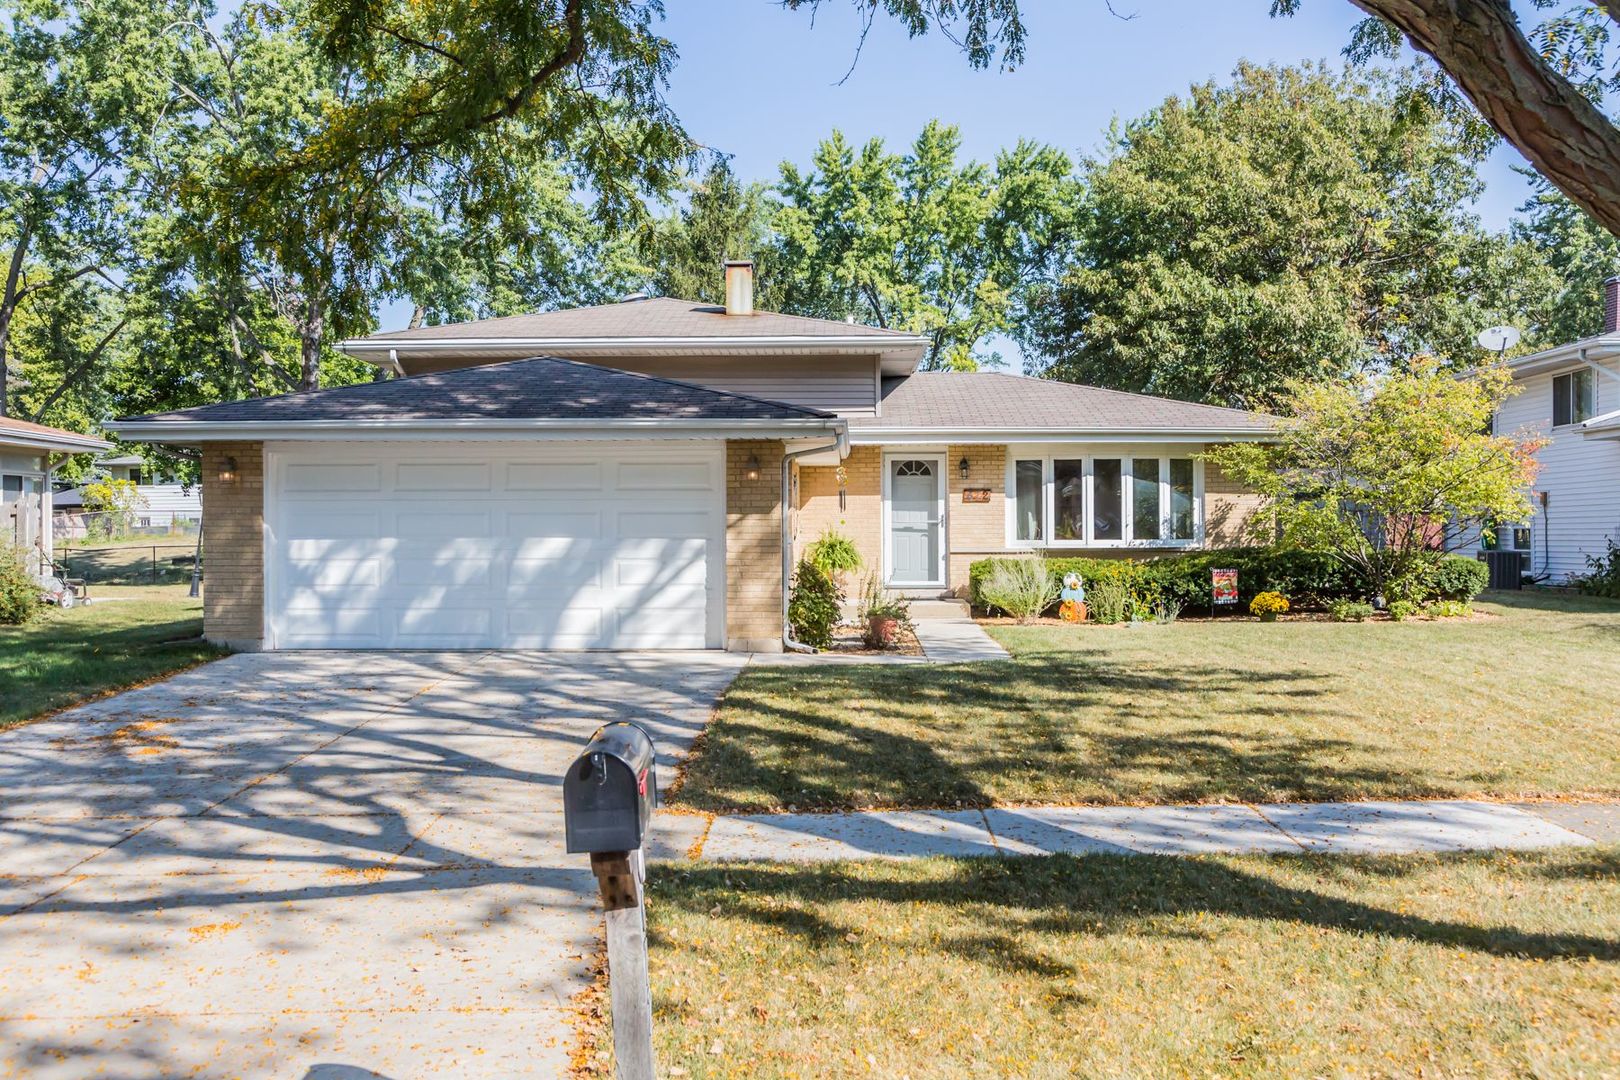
x=1375, y=470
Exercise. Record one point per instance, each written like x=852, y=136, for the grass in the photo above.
x=129, y=561
x=1102, y=966
x=64, y=657
x=1515, y=706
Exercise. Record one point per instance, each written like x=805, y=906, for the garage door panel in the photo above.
x=331, y=477
x=438, y=476
x=554, y=476
x=496, y=546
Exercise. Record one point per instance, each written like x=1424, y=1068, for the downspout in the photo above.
x=842, y=446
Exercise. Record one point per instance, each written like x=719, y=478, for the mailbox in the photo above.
x=609, y=790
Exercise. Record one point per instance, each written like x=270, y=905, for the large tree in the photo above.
x=920, y=241
x=1580, y=255
x=1293, y=224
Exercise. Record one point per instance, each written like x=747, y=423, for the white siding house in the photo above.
x=163, y=499
x=1570, y=394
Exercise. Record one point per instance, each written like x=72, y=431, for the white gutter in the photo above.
x=186, y=432
x=359, y=347
x=37, y=440
x=864, y=435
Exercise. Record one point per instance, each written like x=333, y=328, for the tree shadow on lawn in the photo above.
x=997, y=900
x=1052, y=728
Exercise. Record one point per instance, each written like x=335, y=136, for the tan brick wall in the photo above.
x=974, y=530
x=233, y=537
x=1228, y=509
x=754, y=547
x=862, y=517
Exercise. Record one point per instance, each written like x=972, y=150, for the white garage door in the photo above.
x=470, y=545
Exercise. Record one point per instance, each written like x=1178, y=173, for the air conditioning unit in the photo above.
x=1507, y=569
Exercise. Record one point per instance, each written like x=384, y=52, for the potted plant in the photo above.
x=1268, y=605
x=883, y=614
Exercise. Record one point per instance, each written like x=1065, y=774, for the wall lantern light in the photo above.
x=227, y=470
x=962, y=468
x=753, y=467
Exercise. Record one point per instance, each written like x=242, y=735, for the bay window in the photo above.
x=1067, y=500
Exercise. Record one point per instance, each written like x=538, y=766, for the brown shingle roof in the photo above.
x=955, y=401
x=657, y=317
x=542, y=388
x=28, y=430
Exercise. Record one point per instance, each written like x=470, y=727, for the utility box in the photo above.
x=609, y=791
x=1506, y=569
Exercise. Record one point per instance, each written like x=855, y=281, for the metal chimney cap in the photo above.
x=630, y=298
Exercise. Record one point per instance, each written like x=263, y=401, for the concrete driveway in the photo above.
x=308, y=865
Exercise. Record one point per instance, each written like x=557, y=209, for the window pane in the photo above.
x=1027, y=501
x=1561, y=402
x=1068, y=500
x=1521, y=538
x=1145, y=498
x=1108, y=490
x=1584, y=404
x=1181, y=499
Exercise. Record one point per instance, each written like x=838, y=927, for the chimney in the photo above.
x=1611, y=305
x=739, y=286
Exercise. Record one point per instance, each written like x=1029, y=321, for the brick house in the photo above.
x=616, y=477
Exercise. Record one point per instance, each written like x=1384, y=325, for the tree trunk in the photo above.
x=1479, y=44
x=310, y=333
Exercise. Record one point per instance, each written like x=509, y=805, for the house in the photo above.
x=615, y=477
x=29, y=454
x=163, y=499
x=1571, y=395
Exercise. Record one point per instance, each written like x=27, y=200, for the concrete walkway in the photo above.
x=945, y=639
x=1329, y=828
x=315, y=865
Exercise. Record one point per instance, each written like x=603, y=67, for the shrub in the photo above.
x=1451, y=609
x=1457, y=577
x=1401, y=610
x=19, y=592
x=813, y=605
x=875, y=603
x=1023, y=588
x=1603, y=574
x=1350, y=611
x=1109, y=599
x=834, y=554
x=1268, y=603
x=1167, y=611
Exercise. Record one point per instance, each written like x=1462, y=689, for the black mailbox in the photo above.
x=609, y=790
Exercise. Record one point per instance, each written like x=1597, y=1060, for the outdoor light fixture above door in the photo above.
x=227, y=470
x=962, y=467
x=753, y=467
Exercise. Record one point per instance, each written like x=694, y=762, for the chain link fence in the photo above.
x=107, y=549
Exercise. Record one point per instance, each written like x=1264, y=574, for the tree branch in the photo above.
x=79, y=370
x=1479, y=44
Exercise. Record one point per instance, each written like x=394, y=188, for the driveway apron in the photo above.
x=306, y=865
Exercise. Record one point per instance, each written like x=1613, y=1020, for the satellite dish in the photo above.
x=1498, y=338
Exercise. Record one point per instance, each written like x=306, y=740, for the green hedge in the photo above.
x=1309, y=579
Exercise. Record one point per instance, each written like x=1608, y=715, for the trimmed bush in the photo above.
x=1401, y=610
x=813, y=606
x=1310, y=579
x=1023, y=588
x=19, y=592
x=1350, y=611
x=1457, y=577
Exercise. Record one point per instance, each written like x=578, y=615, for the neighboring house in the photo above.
x=1570, y=394
x=163, y=498
x=614, y=477
x=29, y=454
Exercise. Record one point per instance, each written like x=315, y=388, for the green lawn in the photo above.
x=1119, y=966
x=1519, y=705
x=68, y=656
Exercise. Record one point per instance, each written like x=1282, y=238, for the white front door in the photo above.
x=584, y=545
x=916, y=520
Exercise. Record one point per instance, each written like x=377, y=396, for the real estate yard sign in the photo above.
x=1224, y=587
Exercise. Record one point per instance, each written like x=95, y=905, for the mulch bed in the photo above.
x=1303, y=616
x=849, y=641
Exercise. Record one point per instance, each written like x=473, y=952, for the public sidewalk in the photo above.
x=1329, y=828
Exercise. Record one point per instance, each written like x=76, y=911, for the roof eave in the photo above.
x=188, y=432
x=64, y=443
x=904, y=352
x=1602, y=347
x=871, y=435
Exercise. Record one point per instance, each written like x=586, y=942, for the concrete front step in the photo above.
x=933, y=607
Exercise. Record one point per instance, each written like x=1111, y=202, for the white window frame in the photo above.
x=1088, y=455
x=941, y=487
x=1574, y=375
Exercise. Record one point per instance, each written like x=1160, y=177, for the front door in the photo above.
x=915, y=521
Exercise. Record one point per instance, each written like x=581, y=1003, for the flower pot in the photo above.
x=881, y=630
x=1268, y=616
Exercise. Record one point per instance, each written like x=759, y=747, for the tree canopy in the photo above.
x=1291, y=224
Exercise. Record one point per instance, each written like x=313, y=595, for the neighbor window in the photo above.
x=1573, y=396
x=1069, y=499
x=10, y=488
x=1182, y=515
x=1145, y=498
x=1028, y=501
x=1108, y=485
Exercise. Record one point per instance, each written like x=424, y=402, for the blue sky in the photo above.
x=763, y=84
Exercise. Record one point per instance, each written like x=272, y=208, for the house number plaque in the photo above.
x=975, y=495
